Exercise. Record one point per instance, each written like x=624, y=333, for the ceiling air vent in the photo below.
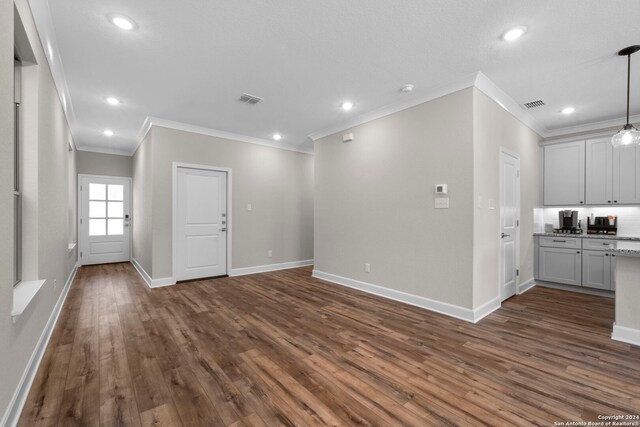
x=534, y=104
x=250, y=99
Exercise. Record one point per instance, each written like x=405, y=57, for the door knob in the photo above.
x=504, y=235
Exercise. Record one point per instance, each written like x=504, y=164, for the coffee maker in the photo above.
x=568, y=222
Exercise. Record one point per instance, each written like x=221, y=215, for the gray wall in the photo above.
x=374, y=201
x=142, y=204
x=278, y=184
x=91, y=163
x=493, y=128
x=55, y=228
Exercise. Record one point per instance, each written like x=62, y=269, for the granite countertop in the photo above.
x=591, y=236
x=626, y=249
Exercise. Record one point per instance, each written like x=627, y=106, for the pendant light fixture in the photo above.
x=628, y=135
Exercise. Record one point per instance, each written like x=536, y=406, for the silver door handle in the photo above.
x=223, y=229
x=505, y=235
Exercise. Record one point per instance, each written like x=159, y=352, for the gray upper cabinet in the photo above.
x=564, y=176
x=626, y=175
x=599, y=173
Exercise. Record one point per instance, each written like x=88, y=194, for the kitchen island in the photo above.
x=627, y=278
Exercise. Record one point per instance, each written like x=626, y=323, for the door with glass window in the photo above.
x=104, y=219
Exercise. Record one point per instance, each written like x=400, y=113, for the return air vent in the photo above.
x=250, y=99
x=534, y=104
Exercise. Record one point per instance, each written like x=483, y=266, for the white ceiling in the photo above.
x=189, y=61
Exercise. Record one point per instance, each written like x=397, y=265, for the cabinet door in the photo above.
x=626, y=175
x=564, y=174
x=596, y=270
x=599, y=174
x=560, y=265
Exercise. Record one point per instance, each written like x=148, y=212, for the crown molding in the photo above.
x=489, y=88
x=186, y=127
x=105, y=150
x=588, y=127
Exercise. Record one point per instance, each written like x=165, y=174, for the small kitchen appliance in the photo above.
x=603, y=225
x=568, y=222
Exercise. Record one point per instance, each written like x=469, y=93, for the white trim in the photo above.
x=12, y=414
x=594, y=126
x=81, y=176
x=174, y=210
x=104, y=150
x=624, y=334
x=269, y=267
x=201, y=130
x=489, y=88
x=438, y=306
x=525, y=286
x=152, y=283
x=486, y=309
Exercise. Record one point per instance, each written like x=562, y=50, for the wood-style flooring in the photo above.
x=283, y=348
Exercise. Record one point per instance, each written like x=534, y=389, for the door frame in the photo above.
x=81, y=176
x=506, y=151
x=174, y=211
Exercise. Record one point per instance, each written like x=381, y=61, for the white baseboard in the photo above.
x=624, y=334
x=438, y=306
x=486, y=309
x=12, y=414
x=152, y=283
x=525, y=286
x=269, y=267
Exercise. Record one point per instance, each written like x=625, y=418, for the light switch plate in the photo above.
x=442, y=203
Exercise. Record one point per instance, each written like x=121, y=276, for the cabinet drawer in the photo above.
x=561, y=242
x=598, y=244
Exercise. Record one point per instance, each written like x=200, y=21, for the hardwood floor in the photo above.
x=283, y=348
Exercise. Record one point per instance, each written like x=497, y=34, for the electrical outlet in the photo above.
x=249, y=207
x=367, y=268
x=269, y=253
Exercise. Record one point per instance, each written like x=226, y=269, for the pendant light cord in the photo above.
x=628, y=84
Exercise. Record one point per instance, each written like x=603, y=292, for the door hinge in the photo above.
x=80, y=254
x=518, y=174
x=517, y=223
x=517, y=272
x=80, y=221
x=81, y=188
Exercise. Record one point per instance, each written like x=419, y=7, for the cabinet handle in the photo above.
x=606, y=254
x=578, y=251
x=615, y=201
x=559, y=241
x=609, y=201
x=581, y=202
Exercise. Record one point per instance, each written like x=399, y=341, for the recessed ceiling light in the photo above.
x=108, y=132
x=113, y=101
x=277, y=136
x=346, y=106
x=514, y=33
x=568, y=110
x=122, y=22
x=406, y=88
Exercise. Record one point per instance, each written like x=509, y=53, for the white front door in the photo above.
x=201, y=223
x=509, y=222
x=104, y=216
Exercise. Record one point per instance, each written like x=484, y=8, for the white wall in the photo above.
x=493, y=128
x=277, y=183
x=91, y=163
x=55, y=227
x=375, y=201
x=142, y=204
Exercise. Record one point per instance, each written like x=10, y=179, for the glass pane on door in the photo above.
x=116, y=209
x=115, y=227
x=116, y=192
x=97, y=227
x=97, y=209
x=97, y=191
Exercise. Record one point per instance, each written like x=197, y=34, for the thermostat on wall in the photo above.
x=441, y=189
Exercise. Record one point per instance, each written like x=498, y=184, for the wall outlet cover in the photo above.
x=442, y=203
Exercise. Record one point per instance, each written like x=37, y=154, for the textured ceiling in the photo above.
x=189, y=61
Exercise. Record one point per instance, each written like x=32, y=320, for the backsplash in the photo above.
x=628, y=217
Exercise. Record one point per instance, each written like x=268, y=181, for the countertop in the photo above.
x=591, y=236
x=627, y=248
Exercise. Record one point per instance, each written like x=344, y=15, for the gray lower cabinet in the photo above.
x=560, y=265
x=596, y=270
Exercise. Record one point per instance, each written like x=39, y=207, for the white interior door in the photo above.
x=509, y=222
x=104, y=219
x=201, y=223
